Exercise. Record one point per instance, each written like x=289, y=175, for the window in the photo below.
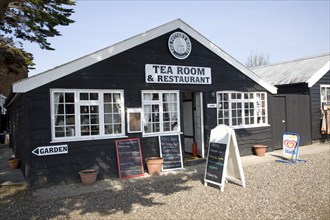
x=160, y=112
x=325, y=96
x=2, y=104
x=86, y=114
x=239, y=109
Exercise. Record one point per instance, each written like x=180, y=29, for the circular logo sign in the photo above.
x=179, y=45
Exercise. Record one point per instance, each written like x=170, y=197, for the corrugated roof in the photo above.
x=296, y=71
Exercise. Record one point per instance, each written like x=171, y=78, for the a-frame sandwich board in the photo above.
x=223, y=160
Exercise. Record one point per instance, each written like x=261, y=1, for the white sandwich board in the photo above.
x=223, y=160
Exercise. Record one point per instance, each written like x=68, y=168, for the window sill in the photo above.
x=160, y=134
x=250, y=126
x=88, y=139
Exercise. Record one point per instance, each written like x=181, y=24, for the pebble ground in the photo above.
x=273, y=191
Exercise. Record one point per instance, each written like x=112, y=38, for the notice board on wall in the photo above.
x=170, y=151
x=129, y=158
x=223, y=159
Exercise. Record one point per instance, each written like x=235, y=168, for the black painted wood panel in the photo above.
x=315, y=106
x=126, y=71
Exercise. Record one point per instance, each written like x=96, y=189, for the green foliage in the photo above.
x=31, y=20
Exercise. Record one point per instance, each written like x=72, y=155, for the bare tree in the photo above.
x=257, y=59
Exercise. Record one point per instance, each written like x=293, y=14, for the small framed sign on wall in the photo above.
x=134, y=120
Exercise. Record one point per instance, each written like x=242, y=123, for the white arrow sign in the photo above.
x=51, y=150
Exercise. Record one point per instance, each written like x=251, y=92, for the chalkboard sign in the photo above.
x=129, y=158
x=170, y=151
x=215, y=162
x=223, y=160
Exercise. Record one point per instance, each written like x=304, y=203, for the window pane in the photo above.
x=69, y=108
x=59, y=108
x=108, y=129
x=59, y=121
x=59, y=132
x=94, y=96
x=107, y=97
x=116, y=98
x=107, y=108
x=70, y=120
x=147, y=97
x=155, y=96
x=69, y=97
x=70, y=132
x=83, y=96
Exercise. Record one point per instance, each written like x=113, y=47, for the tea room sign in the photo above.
x=156, y=73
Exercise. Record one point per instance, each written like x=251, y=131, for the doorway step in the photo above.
x=190, y=160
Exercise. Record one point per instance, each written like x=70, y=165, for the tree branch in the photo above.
x=4, y=5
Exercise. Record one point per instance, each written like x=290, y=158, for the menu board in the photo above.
x=215, y=162
x=129, y=158
x=170, y=151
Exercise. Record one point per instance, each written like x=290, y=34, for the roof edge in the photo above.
x=45, y=77
x=318, y=75
x=41, y=79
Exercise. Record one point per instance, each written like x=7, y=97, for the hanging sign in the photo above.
x=50, y=150
x=157, y=73
x=170, y=151
x=129, y=158
x=223, y=160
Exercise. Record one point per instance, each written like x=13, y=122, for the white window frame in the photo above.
x=3, y=110
x=161, y=120
x=324, y=102
x=243, y=100
x=77, y=104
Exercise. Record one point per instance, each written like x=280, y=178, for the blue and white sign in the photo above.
x=51, y=150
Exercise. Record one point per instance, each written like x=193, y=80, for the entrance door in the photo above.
x=199, y=123
x=193, y=125
x=279, y=121
x=292, y=114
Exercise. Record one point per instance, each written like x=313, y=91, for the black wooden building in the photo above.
x=302, y=98
x=169, y=80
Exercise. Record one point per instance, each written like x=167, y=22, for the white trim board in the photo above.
x=85, y=61
x=318, y=75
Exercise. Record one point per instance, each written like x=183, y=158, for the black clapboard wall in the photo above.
x=215, y=162
x=129, y=158
x=170, y=147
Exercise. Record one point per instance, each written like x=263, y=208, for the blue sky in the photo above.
x=285, y=30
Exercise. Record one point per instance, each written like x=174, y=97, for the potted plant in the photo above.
x=259, y=149
x=154, y=165
x=13, y=162
x=88, y=177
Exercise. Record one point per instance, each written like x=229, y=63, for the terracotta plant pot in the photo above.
x=13, y=163
x=88, y=177
x=259, y=149
x=154, y=165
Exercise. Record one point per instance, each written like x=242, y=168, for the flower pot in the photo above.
x=259, y=149
x=154, y=165
x=13, y=163
x=88, y=177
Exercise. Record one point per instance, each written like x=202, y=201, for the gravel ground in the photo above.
x=273, y=191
